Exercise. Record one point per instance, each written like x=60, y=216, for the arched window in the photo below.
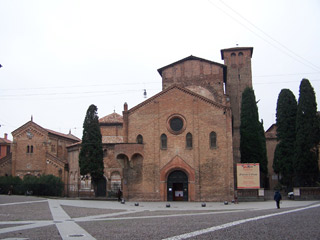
x=240, y=57
x=189, y=140
x=28, y=149
x=139, y=139
x=163, y=140
x=233, y=58
x=213, y=140
x=31, y=149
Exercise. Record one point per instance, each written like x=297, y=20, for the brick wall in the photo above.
x=212, y=167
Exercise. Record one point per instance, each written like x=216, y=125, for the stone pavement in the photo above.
x=23, y=217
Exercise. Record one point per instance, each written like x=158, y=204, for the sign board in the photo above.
x=248, y=175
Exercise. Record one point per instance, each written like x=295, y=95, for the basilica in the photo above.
x=181, y=144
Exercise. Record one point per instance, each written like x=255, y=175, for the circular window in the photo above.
x=176, y=124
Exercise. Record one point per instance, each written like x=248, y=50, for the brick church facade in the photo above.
x=181, y=144
x=36, y=151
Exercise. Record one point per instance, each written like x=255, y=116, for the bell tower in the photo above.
x=239, y=76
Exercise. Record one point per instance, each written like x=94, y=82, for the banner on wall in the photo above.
x=248, y=175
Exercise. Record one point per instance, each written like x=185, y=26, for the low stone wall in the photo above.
x=250, y=195
x=306, y=193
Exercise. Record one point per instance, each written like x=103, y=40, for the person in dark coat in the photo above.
x=119, y=195
x=277, y=197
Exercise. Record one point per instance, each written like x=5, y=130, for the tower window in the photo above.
x=140, y=139
x=189, y=140
x=233, y=58
x=213, y=140
x=163, y=140
x=240, y=55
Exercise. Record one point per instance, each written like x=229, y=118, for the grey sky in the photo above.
x=61, y=56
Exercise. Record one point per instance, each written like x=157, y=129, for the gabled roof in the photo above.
x=26, y=124
x=235, y=49
x=4, y=141
x=69, y=136
x=272, y=128
x=185, y=90
x=271, y=133
x=113, y=118
x=190, y=58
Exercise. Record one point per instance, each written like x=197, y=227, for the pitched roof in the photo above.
x=112, y=118
x=69, y=136
x=5, y=141
x=26, y=124
x=185, y=90
x=190, y=58
x=272, y=128
x=271, y=133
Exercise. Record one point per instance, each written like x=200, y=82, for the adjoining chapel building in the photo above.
x=182, y=143
x=36, y=151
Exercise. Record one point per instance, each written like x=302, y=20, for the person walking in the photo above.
x=119, y=195
x=277, y=197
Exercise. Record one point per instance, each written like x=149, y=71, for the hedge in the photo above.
x=45, y=185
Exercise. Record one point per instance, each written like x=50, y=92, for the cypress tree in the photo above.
x=264, y=158
x=91, y=153
x=286, y=135
x=252, y=139
x=276, y=160
x=305, y=155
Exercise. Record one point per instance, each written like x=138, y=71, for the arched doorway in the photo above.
x=177, y=186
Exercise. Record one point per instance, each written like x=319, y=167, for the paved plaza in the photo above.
x=25, y=217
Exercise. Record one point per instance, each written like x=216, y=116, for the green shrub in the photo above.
x=31, y=184
x=50, y=185
x=45, y=185
x=7, y=182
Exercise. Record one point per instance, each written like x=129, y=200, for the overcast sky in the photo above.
x=60, y=56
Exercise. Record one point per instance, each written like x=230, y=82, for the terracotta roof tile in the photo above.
x=112, y=118
x=6, y=141
x=70, y=136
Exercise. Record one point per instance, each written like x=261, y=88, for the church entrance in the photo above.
x=177, y=186
x=101, y=188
